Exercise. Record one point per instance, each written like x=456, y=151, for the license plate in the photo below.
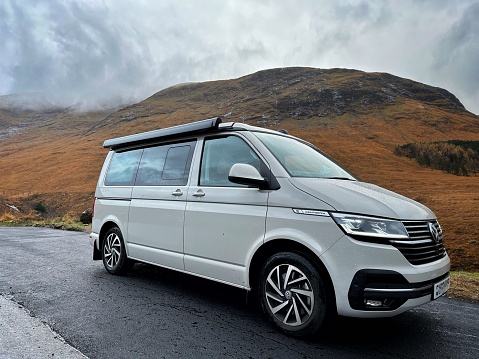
x=441, y=287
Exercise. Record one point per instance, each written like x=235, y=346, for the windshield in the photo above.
x=301, y=160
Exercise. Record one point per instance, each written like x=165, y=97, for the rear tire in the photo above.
x=114, y=253
x=293, y=295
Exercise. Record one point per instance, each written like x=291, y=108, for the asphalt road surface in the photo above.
x=157, y=313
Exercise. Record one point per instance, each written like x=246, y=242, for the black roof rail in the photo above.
x=145, y=137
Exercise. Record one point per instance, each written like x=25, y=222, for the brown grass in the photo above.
x=58, y=158
x=464, y=286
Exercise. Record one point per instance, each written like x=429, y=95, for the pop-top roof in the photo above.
x=145, y=137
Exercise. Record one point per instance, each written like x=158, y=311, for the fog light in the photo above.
x=373, y=303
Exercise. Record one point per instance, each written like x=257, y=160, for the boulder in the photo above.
x=86, y=217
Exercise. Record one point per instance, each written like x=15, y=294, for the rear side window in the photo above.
x=165, y=165
x=176, y=164
x=122, y=169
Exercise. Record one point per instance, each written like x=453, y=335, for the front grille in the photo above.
x=425, y=243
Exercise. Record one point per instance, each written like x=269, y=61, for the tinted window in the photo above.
x=219, y=154
x=175, y=164
x=122, y=169
x=165, y=165
x=151, y=167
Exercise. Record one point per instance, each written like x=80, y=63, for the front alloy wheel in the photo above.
x=289, y=295
x=293, y=294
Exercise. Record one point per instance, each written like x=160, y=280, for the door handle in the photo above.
x=199, y=193
x=177, y=193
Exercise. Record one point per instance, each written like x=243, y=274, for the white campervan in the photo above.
x=263, y=210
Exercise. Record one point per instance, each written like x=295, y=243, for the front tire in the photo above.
x=114, y=253
x=293, y=295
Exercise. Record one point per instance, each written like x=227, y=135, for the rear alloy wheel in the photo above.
x=114, y=252
x=293, y=295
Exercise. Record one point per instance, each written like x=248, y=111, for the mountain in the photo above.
x=356, y=117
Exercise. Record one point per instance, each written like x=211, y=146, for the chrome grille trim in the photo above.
x=421, y=248
x=410, y=242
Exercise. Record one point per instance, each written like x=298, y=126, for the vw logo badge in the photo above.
x=434, y=232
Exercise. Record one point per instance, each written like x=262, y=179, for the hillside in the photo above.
x=356, y=117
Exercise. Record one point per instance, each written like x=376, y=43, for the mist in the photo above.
x=103, y=54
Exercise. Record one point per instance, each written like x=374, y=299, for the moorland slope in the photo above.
x=54, y=155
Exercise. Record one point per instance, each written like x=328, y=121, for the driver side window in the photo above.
x=219, y=155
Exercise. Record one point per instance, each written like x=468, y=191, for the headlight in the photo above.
x=374, y=228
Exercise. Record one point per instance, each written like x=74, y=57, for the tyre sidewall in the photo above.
x=318, y=316
x=122, y=265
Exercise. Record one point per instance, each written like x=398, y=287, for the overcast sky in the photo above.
x=111, y=51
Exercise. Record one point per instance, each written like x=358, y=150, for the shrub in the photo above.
x=39, y=207
x=456, y=157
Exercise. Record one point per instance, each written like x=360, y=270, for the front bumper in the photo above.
x=385, y=290
x=379, y=272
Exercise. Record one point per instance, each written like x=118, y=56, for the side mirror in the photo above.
x=243, y=173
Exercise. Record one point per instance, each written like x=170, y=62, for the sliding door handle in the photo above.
x=199, y=193
x=177, y=193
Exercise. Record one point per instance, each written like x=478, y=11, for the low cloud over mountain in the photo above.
x=100, y=54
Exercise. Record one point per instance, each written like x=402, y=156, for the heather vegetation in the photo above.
x=457, y=157
x=50, y=165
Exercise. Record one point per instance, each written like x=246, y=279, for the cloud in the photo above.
x=457, y=55
x=111, y=52
x=73, y=52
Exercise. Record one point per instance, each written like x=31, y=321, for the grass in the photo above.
x=464, y=285
x=59, y=224
x=53, y=210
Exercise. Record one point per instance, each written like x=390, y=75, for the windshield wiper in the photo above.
x=342, y=178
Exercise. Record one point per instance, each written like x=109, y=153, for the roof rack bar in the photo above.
x=192, y=127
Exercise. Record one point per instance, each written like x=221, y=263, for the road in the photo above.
x=157, y=313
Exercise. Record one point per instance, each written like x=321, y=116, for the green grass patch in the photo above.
x=65, y=225
x=468, y=275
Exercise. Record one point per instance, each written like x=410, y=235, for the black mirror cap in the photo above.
x=262, y=184
x=245, y=174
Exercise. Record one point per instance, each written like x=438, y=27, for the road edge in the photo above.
x=24, y=336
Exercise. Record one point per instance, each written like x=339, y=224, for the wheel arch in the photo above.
x=101, y=237
x=285, y=245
